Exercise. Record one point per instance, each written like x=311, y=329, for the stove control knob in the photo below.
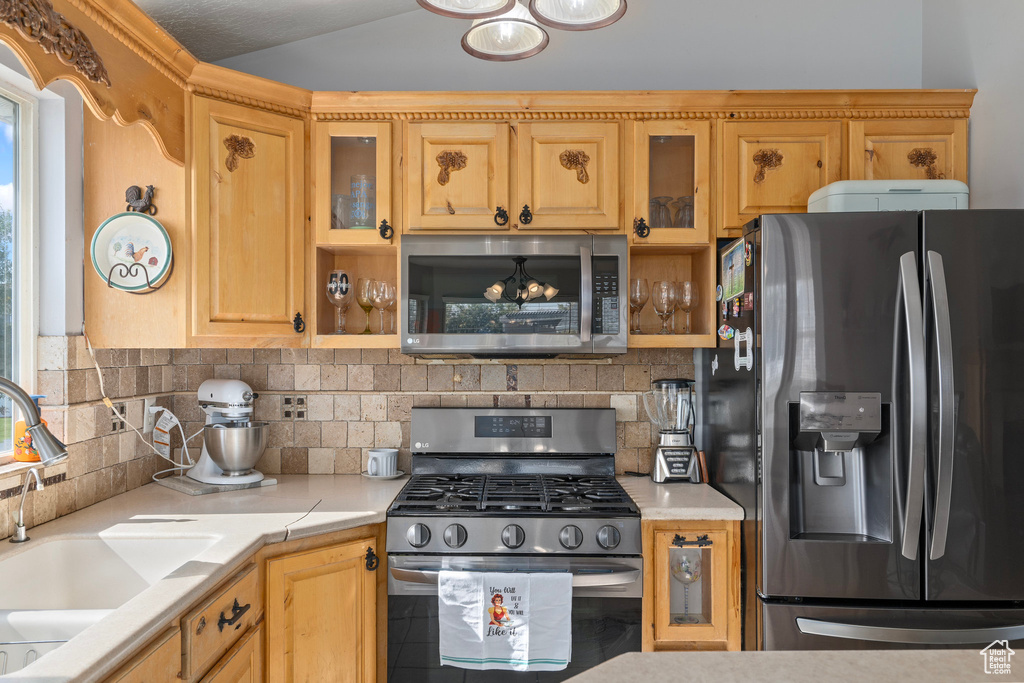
x=513, y=536
x=455, y=536
x=418, y=535
x=570, y=537
x=608, y=537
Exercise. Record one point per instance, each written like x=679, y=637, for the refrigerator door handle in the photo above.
x=947, y=417
x=916, y=636
x=910, y=326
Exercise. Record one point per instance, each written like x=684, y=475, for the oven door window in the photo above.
x=450, y=295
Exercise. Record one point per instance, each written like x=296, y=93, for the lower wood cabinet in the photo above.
x=322, y=614
x=218, y=622
x=691, y=585
x=158, y=662
x=243, y=663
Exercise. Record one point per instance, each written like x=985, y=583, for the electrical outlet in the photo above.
x=148, y=418
x=117, y=420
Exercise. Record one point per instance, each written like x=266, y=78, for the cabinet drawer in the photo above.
x=243, y=664
x=207, y=631
x=158, y=662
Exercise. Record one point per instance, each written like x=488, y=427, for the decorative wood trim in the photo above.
x=767, y=160
x=138, y=92
x=239, y=147
x=448, y=161
x=134, y=29
x=38, y=22
x=227, y=85
x=576, y=160
x=643, y=105
x=926, y=158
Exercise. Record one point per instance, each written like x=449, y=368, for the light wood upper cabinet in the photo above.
x=249, y=230
x=351, y=182
x=907, y=149
x=321, y=615
x=774, y=166
x=457, y=176
x=671, y=185
x=569, y=176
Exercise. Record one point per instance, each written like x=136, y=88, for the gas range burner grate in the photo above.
x=513, y=494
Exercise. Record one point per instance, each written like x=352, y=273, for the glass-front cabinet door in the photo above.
x=672, y=169
x=352, y=179
x=691, y=591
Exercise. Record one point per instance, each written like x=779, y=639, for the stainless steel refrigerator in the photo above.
x=865, y=404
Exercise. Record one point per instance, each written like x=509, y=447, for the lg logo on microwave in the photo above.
x=418, y=445
x=412, y=340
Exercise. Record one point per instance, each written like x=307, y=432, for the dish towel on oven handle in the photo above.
x=518, y=621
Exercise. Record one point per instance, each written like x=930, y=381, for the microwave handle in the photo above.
x=586, y=294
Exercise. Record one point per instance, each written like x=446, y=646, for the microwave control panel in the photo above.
x=606, y=295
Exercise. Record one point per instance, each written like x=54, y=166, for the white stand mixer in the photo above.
x=228, y=404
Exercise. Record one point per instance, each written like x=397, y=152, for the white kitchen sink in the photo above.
x=56, y=589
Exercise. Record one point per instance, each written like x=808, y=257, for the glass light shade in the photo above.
x=550, y=292
x=577, y=15
x=468, y=9
x=513, y=35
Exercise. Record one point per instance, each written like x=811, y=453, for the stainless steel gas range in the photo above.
x=513, y=489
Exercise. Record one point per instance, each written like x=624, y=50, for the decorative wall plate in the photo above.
x=131, y=238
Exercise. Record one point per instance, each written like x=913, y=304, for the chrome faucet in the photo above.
x=20, y=533
x=51, y=451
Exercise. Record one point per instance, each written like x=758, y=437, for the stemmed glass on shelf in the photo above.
x=339, y=293
x=364, y=297
x=382, y=296
x=639, y=293
x=686, y=300
x=663, y=296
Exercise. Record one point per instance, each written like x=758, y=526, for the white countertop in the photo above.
x=241, y=521
x=792, y=667
x=679, y=500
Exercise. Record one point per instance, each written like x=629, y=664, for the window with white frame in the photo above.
x=17, y=126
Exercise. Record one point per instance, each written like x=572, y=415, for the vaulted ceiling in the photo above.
x=217, y=29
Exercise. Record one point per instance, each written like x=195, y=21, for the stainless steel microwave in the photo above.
x=509, y=295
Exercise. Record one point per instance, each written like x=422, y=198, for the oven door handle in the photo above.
x=585, y=579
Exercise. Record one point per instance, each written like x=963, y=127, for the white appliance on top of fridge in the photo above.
x=865, y=405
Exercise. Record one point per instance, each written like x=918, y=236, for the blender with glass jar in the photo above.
x=669, y=405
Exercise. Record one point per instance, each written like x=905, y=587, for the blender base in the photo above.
x=191, y=487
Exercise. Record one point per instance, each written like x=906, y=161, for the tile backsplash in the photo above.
x=326, y=407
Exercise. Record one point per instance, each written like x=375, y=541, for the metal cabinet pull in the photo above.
x=372, y=561
x=385, y=230
x=641, y=228
x=501, y=217
x=525, y=216
x=298, y=324
x=237, y=612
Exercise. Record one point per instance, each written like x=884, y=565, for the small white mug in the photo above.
x=382, y=462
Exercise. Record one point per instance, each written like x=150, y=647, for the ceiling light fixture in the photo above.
x=511, y=36
x=577, y=15
x=468, y=9
x=519, y=287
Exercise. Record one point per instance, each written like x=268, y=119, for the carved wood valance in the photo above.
x=97, y=46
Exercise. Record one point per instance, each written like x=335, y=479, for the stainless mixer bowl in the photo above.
x=236, y=447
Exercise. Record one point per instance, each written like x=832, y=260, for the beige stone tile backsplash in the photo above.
x=326, y=407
